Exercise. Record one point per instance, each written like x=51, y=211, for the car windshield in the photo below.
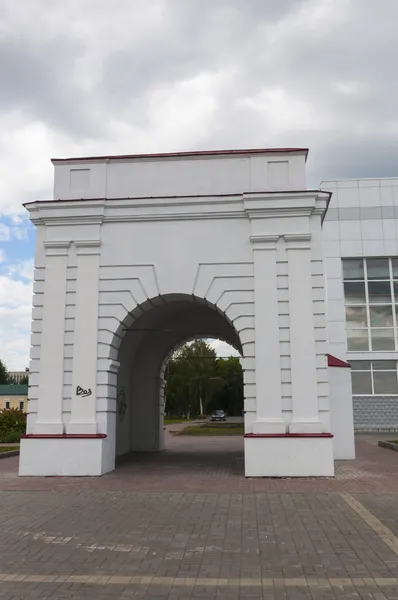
x=218, y=412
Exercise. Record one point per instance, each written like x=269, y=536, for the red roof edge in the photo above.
x=185, y=154
x=337, y=362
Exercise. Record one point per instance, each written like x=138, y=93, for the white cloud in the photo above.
x=20, y=233
x=15, y=321
x=23, y=268
x=2, y=255
x=223, y=349
x=5, y=233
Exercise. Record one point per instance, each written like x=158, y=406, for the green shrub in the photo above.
x=12, y=425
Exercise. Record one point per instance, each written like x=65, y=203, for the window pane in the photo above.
x=357, y=339
x=395, y=284
x=360, y=365
x=381, y=316
x=384, y=365
x=361, y=383
x=379, y=291
x=382, y=339
x=385, y=382
x=356, y=316
x=377, y=268
x=355, y=293
x=394, y=262
x=353, y=269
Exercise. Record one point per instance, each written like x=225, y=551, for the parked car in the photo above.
x=218, y=415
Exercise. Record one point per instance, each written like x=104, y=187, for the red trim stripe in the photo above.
x=238, y=152
x=64, y=436
x=288, y=435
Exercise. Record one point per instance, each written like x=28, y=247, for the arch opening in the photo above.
x=146, y=340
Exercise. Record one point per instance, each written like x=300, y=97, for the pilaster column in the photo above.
x=305, y=418
x=267, y=352
x=51, y=376
x=84, y=379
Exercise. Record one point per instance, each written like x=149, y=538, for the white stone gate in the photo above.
x=138, y=253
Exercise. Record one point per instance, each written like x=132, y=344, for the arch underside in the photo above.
x=152, y=334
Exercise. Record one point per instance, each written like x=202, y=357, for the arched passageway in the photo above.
x=147, y=339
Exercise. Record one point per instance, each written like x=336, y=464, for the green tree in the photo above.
x=192, y=379
x=4, y=375
x=229, y=396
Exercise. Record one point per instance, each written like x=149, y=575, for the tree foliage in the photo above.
x=12, y=425
x=4, y=375
x=199, y=382
x=230, y=395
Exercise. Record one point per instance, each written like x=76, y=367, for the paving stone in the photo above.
x=199, y=529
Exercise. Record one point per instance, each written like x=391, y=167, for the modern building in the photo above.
x=14, y=396
x=360, y=241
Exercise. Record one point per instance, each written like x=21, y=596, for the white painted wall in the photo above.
x=179, y=176
x=342, y=423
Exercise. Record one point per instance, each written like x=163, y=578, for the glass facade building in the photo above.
x=361, y=260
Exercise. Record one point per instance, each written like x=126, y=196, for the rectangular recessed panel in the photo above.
x=79, y=180
x=278, y=174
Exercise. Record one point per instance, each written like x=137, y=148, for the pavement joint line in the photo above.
x=384, y=533
x=299, y=582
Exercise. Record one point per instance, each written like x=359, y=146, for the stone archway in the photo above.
x=128, y=240
x=143, y=349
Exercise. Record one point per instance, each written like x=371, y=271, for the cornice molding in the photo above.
x=87, y=247
x=252, y=205
x=264, y=242
x=56, y=248
x=297, y=241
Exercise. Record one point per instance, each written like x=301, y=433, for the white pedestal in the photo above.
x=288, y=456
x=65, y=456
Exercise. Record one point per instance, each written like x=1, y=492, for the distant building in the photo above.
x=18, y=377
x=14, y=396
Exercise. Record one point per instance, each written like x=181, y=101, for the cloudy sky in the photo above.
x=84, y=77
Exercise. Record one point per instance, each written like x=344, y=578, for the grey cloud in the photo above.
x=36, y=80
x=355, y=135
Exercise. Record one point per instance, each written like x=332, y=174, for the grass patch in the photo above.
x=213, y=429
x=172, y=421
x=8, y=448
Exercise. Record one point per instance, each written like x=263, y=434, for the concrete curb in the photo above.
x=388, y=445
x=8, y=454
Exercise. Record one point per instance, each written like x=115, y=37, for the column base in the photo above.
x=48, y=427
x=305, y=426
x=289, y=455
x=269, y=426
x=81, y=428
x=76, y=455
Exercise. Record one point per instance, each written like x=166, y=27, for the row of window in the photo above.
x=371, y=307
x=21, y=405
x=374, y=378
x=371, y=303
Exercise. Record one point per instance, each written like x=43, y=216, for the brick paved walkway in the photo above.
x=186, y=524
